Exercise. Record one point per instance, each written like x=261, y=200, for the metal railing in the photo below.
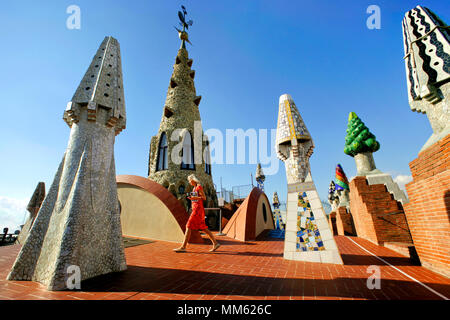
x=7, y=238
x=241, y=192
x=237, y=192
x=227, y=195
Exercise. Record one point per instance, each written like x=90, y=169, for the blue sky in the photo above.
x=246, y=54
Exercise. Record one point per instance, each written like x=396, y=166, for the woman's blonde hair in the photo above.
x=193, y=177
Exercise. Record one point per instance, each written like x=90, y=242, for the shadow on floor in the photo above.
x=243, y=253
x=225, y=242
x=186, y=282
x=132, y=242
x=364, y=260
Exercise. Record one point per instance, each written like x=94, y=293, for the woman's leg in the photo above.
x=211, y=236
x=187, y=236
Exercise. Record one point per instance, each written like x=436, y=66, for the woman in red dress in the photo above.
x=197, y=219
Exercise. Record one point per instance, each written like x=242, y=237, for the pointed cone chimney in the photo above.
x=291, y=130
x=101, y=86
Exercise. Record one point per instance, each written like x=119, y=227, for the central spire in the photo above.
x=180, y=148
x=182, y=34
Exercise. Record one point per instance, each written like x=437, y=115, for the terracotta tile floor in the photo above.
x=238, y=271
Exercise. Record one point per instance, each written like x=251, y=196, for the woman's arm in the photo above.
x=202, y=194
x=201, y=197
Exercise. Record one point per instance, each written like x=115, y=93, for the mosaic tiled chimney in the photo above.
x=342, y=189
x=33, y=207
x=360, y=143
x=333, y=199
x=427, y=60
x=180, y=147
x=279, y=224
x=376, y=201
x=78, y=224
x=308, y=235
x=260, y=177
x=344, y=218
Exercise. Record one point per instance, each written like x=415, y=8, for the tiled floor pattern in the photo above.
x=239, y=271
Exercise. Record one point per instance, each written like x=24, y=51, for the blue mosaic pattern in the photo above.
x=308, y=235
x=279, y=225
x=278, y=234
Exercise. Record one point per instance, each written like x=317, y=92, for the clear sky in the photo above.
x=246, y=54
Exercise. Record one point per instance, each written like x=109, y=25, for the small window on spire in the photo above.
x=167, y=112
x=197, y=100
x=162, y=161
x=207, y=157
x=187, y=162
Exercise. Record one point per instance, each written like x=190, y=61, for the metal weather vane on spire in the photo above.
x=185, y=24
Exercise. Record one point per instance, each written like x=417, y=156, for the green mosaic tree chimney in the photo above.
x=360, y=143
x=359, y=139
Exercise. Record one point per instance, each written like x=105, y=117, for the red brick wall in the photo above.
x=332, y=222
x=428, y=211
x=344, y=222
x=377, y=216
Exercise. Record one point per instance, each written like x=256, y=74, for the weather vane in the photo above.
x=185, y=24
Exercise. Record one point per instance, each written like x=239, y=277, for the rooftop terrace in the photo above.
x=241, y=271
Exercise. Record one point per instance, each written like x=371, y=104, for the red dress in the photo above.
x=197, y=219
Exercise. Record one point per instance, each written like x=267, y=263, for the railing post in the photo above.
x=220, y=224
x=5, y=232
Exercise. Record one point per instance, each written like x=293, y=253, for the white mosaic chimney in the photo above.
x=78, y=225
x=308, y=235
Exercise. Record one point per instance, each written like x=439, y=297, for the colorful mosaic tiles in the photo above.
x=290, y=123
x=341, y=179
x=279, y=225
x=308, y=235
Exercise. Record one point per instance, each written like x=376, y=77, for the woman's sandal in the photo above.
x=180, y=250
x=215, y=247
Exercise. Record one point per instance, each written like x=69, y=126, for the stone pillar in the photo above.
x=308, y=234
x=365, y=164
x=78, y=226
x=343, y=198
